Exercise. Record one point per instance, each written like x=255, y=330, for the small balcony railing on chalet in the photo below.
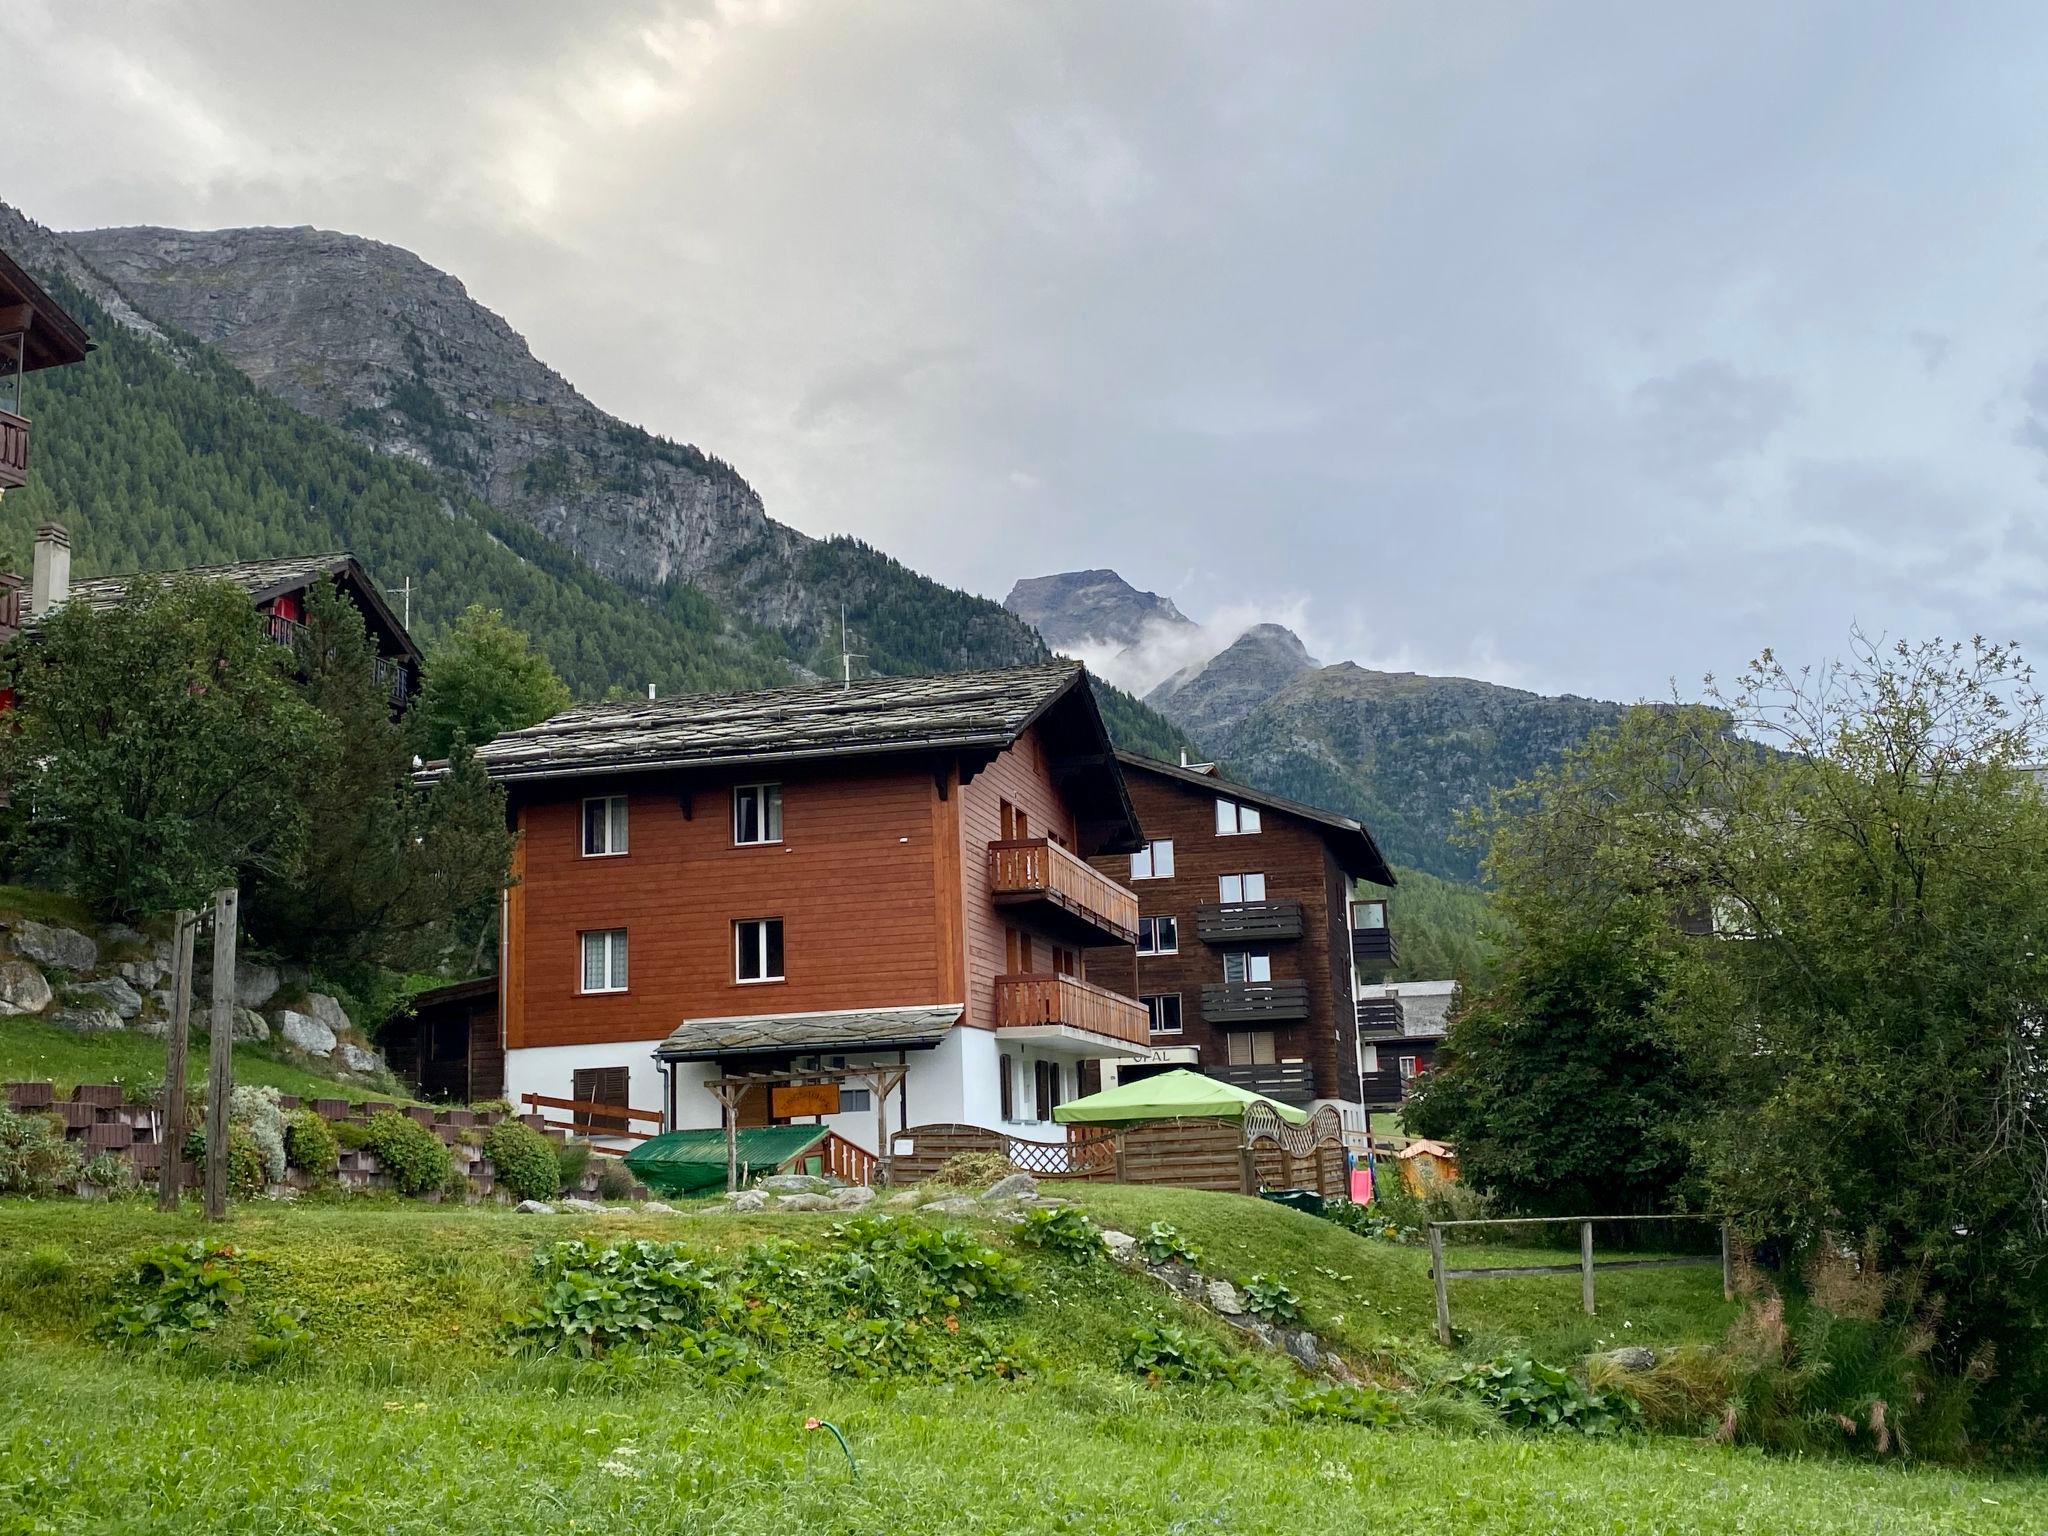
x=1065, y=893
x=1291, y=1082
x=13, y=451
x=1380, y=1018
x=1239, y=922
x=1024, y=1002
x=391, y=675
x=1372, y=939
x=1254, y=1002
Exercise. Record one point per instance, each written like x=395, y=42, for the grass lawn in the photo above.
x=32, y=1050
x=405, y=1413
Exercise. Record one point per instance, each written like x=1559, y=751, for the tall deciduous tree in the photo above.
x=158, y=751
x=1846, y=870
x=482, y=679
x=396, y=875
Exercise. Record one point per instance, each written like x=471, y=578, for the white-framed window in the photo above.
x=604, y=826
x=1247, y=965
x=1158, y=936
x=1240, y=887
x=1234, y=819
x=757, y=813
x=757, y=949
x=1368, y=1059
x=1410, y=1065
x=1154, y=861
x=1252, y=1048
x=1163, y=1008
x=604, y=960
x=855, y=1100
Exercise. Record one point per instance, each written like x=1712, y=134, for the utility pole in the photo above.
x=170, y=1175
x=220, y=1061
x=846, y=657
x=406, y=593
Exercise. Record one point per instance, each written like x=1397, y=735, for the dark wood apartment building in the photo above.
x=1245, y=951
x=35, y=333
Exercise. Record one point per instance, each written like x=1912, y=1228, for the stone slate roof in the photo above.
x=858, y=1029
x=264, y=579
x=1351, y=840
x=987, y=710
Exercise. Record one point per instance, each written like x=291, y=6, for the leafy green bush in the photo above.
x=1162, y=1244
x=409, y=1152
x=254, y=1107
x=35, y=1159
x=1530, y=1395
x=310, y=1144
x=1343, y=1402
x=886, y=1267
x=642, y=1296
x=1375, y=1221
x=972, y=1170
x=572, y=1161
x=1166, y=1353
x=1272, y=1300
x=349, y=1135
x=110, y=1173
x=523, y=1159
x=248, y=1176
x=1064, y=1230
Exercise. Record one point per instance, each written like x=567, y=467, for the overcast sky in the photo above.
x=1578, y=347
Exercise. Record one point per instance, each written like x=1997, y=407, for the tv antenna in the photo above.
x=846, y=657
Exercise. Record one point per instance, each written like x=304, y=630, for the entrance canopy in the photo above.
x=770, y=1034
x=1179, y=1095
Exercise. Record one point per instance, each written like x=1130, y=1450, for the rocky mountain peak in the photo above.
x=1091, y=609
x=1208, y=697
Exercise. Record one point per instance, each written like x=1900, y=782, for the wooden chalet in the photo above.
x=1400, y=1026
x=858, y=906
x=35, y=333
x=1247, y=957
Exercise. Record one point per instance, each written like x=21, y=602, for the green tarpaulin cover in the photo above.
x=1176, y=1095
x=693, y=1162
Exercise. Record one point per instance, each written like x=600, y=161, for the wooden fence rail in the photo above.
x=1440, y=1276
x=594, y=1119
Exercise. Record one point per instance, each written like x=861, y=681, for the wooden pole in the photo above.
x=170, y=1177
x=1586, y=1266
x=1727, y=1266
x=730, y=1097
x=220, y=1060
x=884, y=1169
x=1443, y=1295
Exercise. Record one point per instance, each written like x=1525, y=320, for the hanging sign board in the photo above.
x=801, y=1099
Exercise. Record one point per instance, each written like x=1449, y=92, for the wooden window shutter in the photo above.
x=600, y=1085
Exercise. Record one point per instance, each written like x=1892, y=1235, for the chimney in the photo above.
x=650, y=690
x=50, y=577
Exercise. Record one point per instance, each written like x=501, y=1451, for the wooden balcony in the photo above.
x=1034, y=1001
x=13, y=451
x=1064, y=893
x=1254, y=1002
x=1240, y=922
x=1372, y=938
x=1290, y=1082
x=1379, y=1018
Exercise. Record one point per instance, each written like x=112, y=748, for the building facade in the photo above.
x=1400, y=1026
x=1245, y=955
x=813, y=879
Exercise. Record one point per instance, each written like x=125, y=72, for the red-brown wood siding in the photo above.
x=855, y=881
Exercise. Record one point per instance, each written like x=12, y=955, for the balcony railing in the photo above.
x=1236, y=922
x=1254, y=1002
x=1372, y=940
x=1291, y=1082
x=1024, y=1002
x=13, y=450
x=1380, y=1018
x=1088, y=906
x=392, y=675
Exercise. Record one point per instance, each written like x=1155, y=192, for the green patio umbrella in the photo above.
x=1175, y=1095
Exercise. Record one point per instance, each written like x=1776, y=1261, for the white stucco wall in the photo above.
x=548, y=1069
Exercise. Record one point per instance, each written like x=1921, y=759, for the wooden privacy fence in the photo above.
x=1441, y=1276
x=1191, y=1154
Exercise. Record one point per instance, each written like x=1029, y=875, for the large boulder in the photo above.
x=329, y=1012
x=88, y=1020
x=1014, y=1186
x=853, y=1198
x=303, y=1032
x=357, y=1059
x=22, y=988
x=952, y=1205
x=746, y=1200
x=249, y=1027
x=56, y=946
x=115, y=993
x=792, y=1184
x=256, y=983
x=804, y=1202
x=145, y=973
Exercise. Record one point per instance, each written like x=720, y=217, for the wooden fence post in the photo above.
x=170, y=1177
x=1727, y=1266
x=220, y=1059
x=1586, y=1266
x=1443, y=1295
